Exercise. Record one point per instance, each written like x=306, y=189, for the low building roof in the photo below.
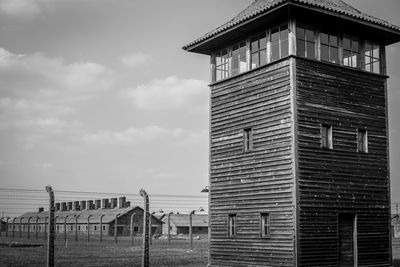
x=107, y=215
x=182, y=220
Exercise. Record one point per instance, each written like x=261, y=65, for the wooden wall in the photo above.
x=250, y=183
x=341, y=180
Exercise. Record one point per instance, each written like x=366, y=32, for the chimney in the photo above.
x=58, y=206
x=63, y=206
x=114, y=203
x=41, y=209
x=89, y=204
x=97, y=204
x=76, y=205
x=82, y=204
x=128, y=204
x=69, y=205
x=122, y=202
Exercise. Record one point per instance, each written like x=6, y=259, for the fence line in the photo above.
x=22, y=223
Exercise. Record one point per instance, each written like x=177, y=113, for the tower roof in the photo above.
x=260, y=7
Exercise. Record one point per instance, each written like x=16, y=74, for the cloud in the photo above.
x=133, y=135
x=20, y=8
x=171, y=93
x=46, y=75
x=135, y=59
x=40, y=96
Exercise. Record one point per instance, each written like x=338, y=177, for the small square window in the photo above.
x=265, y=225
x=362, y=140
x=326, y=136
x=232, y=222
x=248, y=139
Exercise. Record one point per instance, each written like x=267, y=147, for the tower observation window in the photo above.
x=329, y=48
x=258, y=46
x=351, y=52
x=279, y=42
x=306, y=45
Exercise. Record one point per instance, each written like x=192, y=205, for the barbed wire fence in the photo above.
x=101, y=235
x=90, y=228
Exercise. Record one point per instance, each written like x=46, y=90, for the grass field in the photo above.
x=108, y=253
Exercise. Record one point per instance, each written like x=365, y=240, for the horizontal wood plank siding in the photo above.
x=250, y=183
x=341, y=180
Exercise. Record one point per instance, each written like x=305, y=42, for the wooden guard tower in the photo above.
x=299, y=161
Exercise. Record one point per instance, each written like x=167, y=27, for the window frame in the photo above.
x=372, y=58
x=280, y=41
x=265, y=225
x=362, y=141
x=257, y=38
x=224, y=60
x=326, y=136
x=330, y=46
x=248, y=139
x=232, y=225
x=353, y=52
x=306, y=41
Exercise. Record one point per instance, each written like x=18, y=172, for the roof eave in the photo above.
x=393, y=34
x=206, y=46
x=201, y=46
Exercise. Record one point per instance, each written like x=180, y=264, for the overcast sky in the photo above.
x=99, y=96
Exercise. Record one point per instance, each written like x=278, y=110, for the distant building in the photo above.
x=2, y=226
x=98, y=217
x=396, y=226
x=179, y=224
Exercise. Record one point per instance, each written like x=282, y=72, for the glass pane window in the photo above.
x=258, y=50
x=329, y=48
x=371, y=57
x=362, y=140
x=239, y=62
x=248, y=139
x=265, y=225
x=326, y=136
x=222, y=64
x=279, y=42
x=305, y=39
x=351, y=52
x=232, y=221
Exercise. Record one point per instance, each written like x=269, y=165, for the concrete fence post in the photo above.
x=88, y=228
x=145, y=258
x=169, y=228
x=76, y=227
x=101, y=227
x=55, y=225
x=20, y=227
x=29, y=227
x=150, y=239
x=45, y=227
x=13, y=227
x=1, y=228
x=191, y=228
x=7, y=226
x=50, y=243
x=116, y=228
x=132, y=216
x=65, y=229
x=36, y=227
